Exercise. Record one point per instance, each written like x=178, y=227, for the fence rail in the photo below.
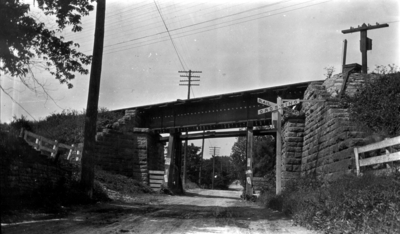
x=41, y=143
x=384, y=158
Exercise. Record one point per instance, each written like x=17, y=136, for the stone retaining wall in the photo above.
x=292, y=147
x=322, y=143
x=25, y=173
x=129, y=150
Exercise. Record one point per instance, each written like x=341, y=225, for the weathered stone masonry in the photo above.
x=126, y=149
x=26, y=173
x=326, y=145
x=292, y=147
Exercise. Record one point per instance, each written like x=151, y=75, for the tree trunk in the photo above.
x=88, y=155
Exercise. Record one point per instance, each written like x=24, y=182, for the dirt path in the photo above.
x=200, y=211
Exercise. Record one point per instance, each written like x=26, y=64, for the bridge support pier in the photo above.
x=173, y=164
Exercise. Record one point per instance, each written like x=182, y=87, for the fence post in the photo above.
x=357, y=159
x=38, y=143
x=55, y=149
x=26, y=136
x=70, y=151
x=21, y=134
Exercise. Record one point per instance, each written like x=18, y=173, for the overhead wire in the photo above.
x=149, y=19
x=160, y=33
x=195, y=24
x=139, y=44
x=125, y=20
x=176, y=51
x=107, y=31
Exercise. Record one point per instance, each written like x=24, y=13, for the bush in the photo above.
x=368, y=204
x=377, y=105
x=66, y=127
x=120, y=183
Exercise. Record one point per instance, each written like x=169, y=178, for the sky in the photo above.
x=238, y=45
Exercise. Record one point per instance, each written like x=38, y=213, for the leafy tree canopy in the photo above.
x=23, y=37
x=263, y=156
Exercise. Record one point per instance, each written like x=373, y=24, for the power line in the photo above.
x=169, y=35
x=203, y=22
x=224, y=26
x=133, y=16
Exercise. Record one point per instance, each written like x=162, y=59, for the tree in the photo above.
x=193, y=163
x=23, y=38
x=223, y=174
x=263, y=156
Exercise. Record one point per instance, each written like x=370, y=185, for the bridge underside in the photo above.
x=232, y=110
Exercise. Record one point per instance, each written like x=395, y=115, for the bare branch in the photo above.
x=9, y=95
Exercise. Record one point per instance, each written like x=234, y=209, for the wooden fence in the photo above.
x=384, y=158
x=156, y=178
x=52, y=147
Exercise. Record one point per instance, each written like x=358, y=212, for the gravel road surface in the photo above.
x=199, y=211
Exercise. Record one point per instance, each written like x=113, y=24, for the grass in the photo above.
x=67, y=191
x=367, y=204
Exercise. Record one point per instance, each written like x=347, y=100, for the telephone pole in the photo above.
x=89, y=154
x=365, y=42
x=189, y=80
x=201, y=159
x=213, y=152
x=189, y=85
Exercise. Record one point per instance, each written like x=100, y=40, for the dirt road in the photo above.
x=200, y=211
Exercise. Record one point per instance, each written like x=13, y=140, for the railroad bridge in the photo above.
x=133, y=146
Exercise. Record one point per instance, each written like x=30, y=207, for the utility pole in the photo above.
x=344, y=54
x=365, y=42
x=88, y=155
x=189, y=84
x=189, y=80
x=201, y=159
x=214, y=152
x=279, y=147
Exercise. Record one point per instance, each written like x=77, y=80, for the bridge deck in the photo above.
x=231, y=110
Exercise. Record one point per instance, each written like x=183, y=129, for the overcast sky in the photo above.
x=238, y=45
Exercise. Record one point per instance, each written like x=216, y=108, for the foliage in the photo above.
x=368, y=204
x=263, y=156
x=377, y=105
x=48, y=197
x=65, y=127
x=193, y=159
x=329, y=71
x=23, y=38
x=51, y=197
x=124, y=185
x=383, y=70
x=223, y=174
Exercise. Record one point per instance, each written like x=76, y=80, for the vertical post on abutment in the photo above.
x=249, y=153
x=363, y=48
x=279, y=148
x=175, y=154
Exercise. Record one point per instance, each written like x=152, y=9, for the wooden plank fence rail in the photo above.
x=384, y=158
x=43, y=144
x=156, y=179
